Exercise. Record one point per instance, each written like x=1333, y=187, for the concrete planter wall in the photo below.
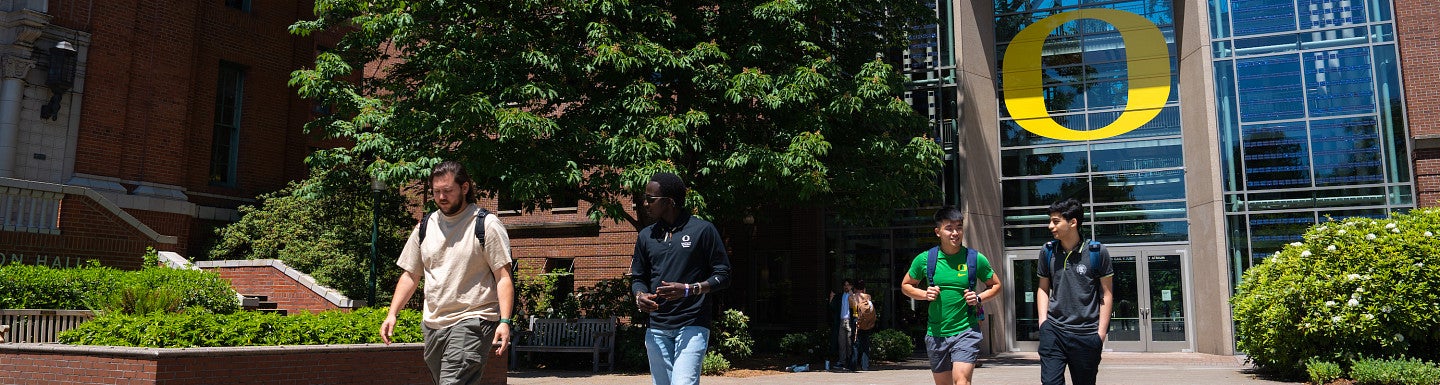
x=23, y=363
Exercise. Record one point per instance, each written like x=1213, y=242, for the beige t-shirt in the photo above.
x=459, y=281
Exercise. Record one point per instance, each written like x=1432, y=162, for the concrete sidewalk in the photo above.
x=1007, y=368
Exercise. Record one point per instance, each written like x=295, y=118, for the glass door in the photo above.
x=1150, y=312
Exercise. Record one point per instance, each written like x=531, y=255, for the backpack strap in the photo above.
x=424, y=224
x=1095, y=258
x=933, y=258
x=1047, y=253
x=480, y=225
x=972, y=267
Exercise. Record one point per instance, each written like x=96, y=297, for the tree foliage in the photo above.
x=321, y=226
x=754, y=103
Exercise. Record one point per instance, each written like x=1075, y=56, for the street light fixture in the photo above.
x=60, y=77
x=377, y=186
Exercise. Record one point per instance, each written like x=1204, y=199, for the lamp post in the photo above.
x=376, y=187
x=60, y=77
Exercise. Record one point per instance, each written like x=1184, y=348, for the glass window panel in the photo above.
x=1168, y=231
x=1064, y=75
x=1333, y=38
x=1378, y=9
x=1007, y=26
x=1104, y=95
x=1401, y=195
x=1229, y=125
x=1239, y=250
x=1392, y=118
x=1038, y=192
x=1026, y=279
x=1271, y=231
x=1234, y=203
x=1267, y=45
x=1350, y=197
x=1276, y=156
x=1219, y=19
x=1222, y=49
x=1139, y=186
x=1286, y=200
x=1166, y=123
x=1315, y=14
x=1339, y=82
x=1382, y=33
x=1029, y=236
x=1253, y=17
x=1061, y=98
x=1270, y=88
x=1347, y=151
x=1136, y=155
x=1043, y=161
x=1012, y=134
x=1340, y=215
x=1037, y=216
x=1140, y=212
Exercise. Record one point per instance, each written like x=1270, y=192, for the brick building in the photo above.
x=178, y=112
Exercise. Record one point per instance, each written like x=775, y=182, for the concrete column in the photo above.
x=11, y=92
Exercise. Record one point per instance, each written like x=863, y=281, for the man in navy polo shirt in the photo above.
x=679, y=261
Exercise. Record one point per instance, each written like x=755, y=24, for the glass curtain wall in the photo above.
x=1310, y=117
x=1134, y=182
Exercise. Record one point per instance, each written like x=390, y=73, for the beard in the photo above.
x=452, y=209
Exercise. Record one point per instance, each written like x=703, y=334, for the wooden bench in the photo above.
x=585, y=335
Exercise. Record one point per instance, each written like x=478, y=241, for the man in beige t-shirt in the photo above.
x=469, y=294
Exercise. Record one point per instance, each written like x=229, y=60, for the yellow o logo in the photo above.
x=1148, y=74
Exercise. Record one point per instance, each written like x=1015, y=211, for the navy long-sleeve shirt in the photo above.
x=687, y=251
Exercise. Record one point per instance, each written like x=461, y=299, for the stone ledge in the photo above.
x=134, y=352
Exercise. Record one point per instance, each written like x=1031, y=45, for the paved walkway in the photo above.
x=1007, y=368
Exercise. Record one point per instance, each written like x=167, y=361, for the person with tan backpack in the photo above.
x=866, y=318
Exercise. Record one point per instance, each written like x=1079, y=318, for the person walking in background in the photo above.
x=844, y=327
x=952, y=335
x=679, y=262
x=469, y=293
x=864, y=313
x=1073, y=299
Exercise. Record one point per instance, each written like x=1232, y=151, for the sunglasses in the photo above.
x=650, y=199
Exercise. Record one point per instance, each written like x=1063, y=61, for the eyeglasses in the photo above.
x=650, y=199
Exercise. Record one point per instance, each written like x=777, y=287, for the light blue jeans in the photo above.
x=676, y=354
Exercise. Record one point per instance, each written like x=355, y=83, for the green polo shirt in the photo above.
x=949, y=314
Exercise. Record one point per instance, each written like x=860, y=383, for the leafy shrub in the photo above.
x=891, y=345
x=609, y=298
x=1352, y=288
x=1367, y=371
x=714, y=364
x=141, y=300
x=95, y=287
x=810, y=343
x=630, y=354
x=1322, y=372
x=731, y=334
x=321, y=226
x=205, y=329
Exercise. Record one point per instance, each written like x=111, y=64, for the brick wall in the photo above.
x=330, y=364
x=1419, y=43
x=87, y=231
x=280, y=288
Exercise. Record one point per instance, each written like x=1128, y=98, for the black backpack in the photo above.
x=1092, y=270
x=479, y=225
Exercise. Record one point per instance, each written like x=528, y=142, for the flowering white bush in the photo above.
x=1341, y=295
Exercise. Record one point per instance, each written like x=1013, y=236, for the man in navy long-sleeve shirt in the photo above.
x=678, y=262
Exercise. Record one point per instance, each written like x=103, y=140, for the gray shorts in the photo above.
x=963, y=347
x=457, y=354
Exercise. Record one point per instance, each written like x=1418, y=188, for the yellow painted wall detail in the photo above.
x=1146, y=56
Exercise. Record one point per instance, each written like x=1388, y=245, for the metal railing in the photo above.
x=40, y=325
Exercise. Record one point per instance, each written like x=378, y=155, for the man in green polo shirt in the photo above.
x=952, y=336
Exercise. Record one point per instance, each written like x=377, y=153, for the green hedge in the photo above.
x=203, y=329
x=1354, y=288
x=891, y=345
x=95, y=287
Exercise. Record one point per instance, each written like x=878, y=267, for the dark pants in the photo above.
x=1059, y=348
x=861, y=355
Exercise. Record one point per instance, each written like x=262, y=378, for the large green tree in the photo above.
x=755, y=103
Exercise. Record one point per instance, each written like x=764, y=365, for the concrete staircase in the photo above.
x=261, y=303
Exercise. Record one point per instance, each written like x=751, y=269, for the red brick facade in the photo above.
x=343, y=364
x=1419, y=43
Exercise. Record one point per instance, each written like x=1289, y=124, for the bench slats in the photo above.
x=591, y=335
